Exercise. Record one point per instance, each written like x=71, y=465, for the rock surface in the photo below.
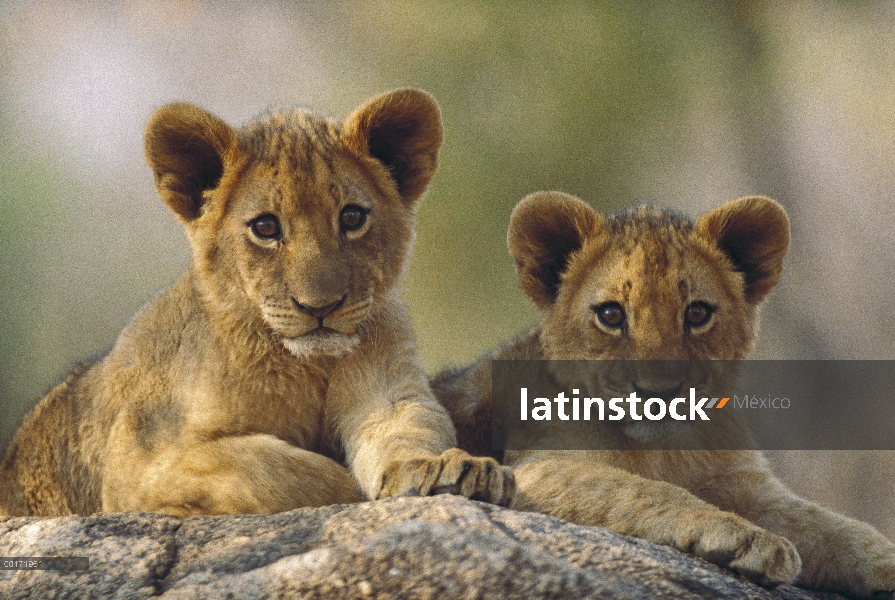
x=439, y=547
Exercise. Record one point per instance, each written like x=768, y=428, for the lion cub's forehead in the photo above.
x=649, y=238
x=291, y=137
x=648, y=225
x=298, y=157
x=650, y=251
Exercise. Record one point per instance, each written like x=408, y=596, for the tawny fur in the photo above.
x=280, y=371
x=725, y=506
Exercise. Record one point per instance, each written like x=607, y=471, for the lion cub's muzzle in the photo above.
x=308, y=327
x=341, y=316
x=664, y=391
x=319, y=312
x=655, y=430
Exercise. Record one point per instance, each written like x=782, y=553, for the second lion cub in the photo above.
x=648, y=284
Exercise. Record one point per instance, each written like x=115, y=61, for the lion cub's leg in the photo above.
x=589, y=493
x=837, y=552
x=401, y=442
x=235, y=474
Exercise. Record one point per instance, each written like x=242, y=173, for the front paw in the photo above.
x=732, y=542
x=454, y=472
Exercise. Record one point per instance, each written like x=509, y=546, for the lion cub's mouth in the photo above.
x=646, y=430
x=321, y=331
x=655, y=431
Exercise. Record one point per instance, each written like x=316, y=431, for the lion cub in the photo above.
x=649, y=284
x=283, y=353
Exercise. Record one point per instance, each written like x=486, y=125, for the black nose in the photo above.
x=666, y=393
x=318, y=312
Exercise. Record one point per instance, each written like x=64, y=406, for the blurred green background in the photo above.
x=684, y=104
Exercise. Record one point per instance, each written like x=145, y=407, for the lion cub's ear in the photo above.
x=545, y=228
x=186, y=147
x=754, y=233
x=402, y=130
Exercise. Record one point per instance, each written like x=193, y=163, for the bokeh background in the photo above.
x=684, y=104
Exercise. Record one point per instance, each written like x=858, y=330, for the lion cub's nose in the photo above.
x=658, y=390
x=318, y=312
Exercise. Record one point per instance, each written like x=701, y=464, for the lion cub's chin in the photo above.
x=330, y=343
x=654, y=432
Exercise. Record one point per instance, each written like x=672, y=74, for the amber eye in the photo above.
x=698, y=313
x=266, y=227
x=611, y=314
x=353, y=217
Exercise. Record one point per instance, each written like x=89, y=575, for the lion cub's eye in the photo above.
x=698, y=313
x=266, y=227
x=611, y=314
x=353, y=217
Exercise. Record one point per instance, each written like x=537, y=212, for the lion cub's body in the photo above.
x=651, y=285
x=282, y=354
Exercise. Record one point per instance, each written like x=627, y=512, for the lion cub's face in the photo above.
x=647, y=285
x=295, y=221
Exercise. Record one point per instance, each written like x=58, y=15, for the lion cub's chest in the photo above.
x=290, y=405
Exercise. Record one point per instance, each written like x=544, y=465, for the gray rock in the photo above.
x=438, y=547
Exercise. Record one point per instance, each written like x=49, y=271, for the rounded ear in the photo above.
x=402, y=130
x=754, y=233
x=186, y=148
x=545, y=228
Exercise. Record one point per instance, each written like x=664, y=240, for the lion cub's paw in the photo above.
x=454, y=472
x=764, y=557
